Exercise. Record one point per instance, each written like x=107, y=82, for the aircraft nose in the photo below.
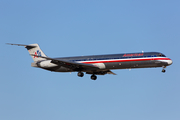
x=170, y=62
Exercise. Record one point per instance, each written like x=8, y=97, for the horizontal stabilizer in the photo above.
x=22, y=45
x=32, y=49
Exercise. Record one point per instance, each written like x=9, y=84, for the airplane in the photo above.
x=96, y=64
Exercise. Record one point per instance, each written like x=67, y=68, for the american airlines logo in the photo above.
x=38, y=53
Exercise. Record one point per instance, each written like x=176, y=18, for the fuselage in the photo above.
x=120, y=61
x=96, y=64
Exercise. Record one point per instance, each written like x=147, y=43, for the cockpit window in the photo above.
x=161, y=55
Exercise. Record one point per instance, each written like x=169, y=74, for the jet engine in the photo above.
x=46, y=64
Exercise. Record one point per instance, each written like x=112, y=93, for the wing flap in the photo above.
x=110, y=72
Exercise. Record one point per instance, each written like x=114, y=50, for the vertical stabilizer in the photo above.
x=34, y=49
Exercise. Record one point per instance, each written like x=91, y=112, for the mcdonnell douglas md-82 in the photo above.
x=96, y=64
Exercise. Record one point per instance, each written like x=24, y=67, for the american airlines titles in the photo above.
x=130, y=55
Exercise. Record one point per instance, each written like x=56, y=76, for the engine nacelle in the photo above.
x=46, y=64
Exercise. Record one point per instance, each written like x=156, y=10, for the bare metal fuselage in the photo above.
x=117, y=61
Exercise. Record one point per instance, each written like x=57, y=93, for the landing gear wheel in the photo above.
x=80, y=74
x=93, y=77
x=163, y=70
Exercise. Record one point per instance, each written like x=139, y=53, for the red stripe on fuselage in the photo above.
x=126, y=60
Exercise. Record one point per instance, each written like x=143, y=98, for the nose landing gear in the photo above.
x=163, y=70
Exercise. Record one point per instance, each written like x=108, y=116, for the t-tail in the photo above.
x=33, y=49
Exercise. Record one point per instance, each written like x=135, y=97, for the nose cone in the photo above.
x=170, y=62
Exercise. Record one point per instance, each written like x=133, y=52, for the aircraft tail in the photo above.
x=33, y=49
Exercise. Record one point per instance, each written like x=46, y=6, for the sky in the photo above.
x=65, y=28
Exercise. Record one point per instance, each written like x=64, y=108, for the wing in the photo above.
x=78, y=66
x=71, y=65
x=110, y=72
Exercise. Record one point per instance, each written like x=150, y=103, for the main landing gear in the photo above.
x=93, y=77
x=81, y=74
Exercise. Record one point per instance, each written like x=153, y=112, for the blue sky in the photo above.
x=74, y=28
